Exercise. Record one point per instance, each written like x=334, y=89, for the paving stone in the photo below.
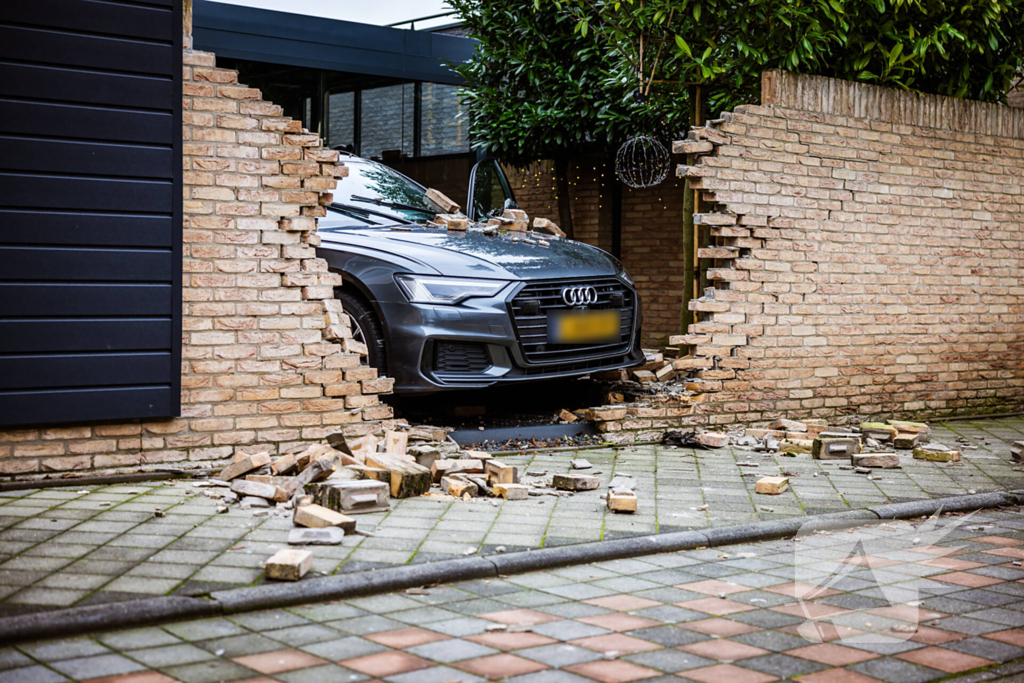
x=669, y=636
x=896, y=671
x=365, y=625
x=170, y=655
x=453, y=611
x=208, y=672
x=559, y=655
x=974, y=627
x=12, y=659
x=97, y=666
x=572, y=610
x=31, y=674
x=987, y=648
x=435, y=674
x=305, y=634
x=777, y=641
x=461, y=627
x=204, y=629
x=782, y=665
x=70, y=648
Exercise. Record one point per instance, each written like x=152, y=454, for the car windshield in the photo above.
x=374, y=194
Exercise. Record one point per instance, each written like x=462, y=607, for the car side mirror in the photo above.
x=489, y=191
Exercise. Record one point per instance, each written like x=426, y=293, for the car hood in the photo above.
x=474, y=254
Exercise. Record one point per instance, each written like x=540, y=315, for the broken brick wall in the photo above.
x=267, y=363
x=651, y=245
x=867, y=254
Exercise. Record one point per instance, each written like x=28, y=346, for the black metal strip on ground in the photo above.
x=104, y=479
x=78, y=620
x=464, y=437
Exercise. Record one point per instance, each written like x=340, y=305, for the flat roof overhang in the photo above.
x=314, y=42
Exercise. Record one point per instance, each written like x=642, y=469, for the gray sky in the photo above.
x=379, y=12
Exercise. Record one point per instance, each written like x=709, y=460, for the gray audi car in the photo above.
x=442, y=310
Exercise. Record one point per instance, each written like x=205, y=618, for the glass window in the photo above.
x=381, y=192
x=443, y=125
x=489, y=193
x=386, y=121
x=341, y=119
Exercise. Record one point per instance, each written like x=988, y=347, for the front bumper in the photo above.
x=475, y=345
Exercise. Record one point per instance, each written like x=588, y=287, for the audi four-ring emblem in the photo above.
x=579, y=296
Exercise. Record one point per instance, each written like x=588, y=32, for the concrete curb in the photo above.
x=78, y=620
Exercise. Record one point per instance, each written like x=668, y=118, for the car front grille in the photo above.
x=532, y=330
x=454, y=356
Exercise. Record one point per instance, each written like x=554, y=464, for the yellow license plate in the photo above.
x=583, y=327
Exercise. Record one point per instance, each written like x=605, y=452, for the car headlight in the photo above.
x=426, y=289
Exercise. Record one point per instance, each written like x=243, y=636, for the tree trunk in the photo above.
x=564, y=198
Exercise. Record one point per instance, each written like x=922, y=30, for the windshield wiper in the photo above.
x=366, y=212
x=357, y=214
x=392, y=205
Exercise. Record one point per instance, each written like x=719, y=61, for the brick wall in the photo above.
x=267, y=362
x=651, y=238
x=868, y=256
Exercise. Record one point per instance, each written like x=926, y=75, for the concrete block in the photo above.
x=459, y=487
x=446, y=204
x=318, y=517
x=936, y=453
x=288, y=564
x=352, y=496
x=407, y=478
x=512, y=491
x=772, y=486
x=622, y=501
x=797, y=446
x=906, y=440
x=466, y=466
x=713, y=439
x=886, y=460
x=256, y=489
x=576, y=482
x=879, y=431
x=439, y=468
x=285, y=465
x=1017, y=451
x=789, y=425
x=499, y=473
x=835, y=449
x=246, y=464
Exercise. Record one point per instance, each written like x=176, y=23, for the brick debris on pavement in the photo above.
x=78, y=546
x=733, y=613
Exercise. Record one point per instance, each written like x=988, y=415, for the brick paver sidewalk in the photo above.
x=77, y=546
x=916, y=606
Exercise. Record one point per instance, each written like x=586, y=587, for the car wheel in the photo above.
x=366, y=328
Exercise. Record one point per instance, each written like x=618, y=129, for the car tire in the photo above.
x=366, y=328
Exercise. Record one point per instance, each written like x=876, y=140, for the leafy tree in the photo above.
x=553, y=78
x=539, y=88
x=968, y=48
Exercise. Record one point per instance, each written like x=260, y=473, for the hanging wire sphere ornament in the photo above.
x=642, y=162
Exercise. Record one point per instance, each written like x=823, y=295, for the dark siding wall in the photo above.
x=90, y=210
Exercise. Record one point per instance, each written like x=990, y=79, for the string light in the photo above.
x=642, y=162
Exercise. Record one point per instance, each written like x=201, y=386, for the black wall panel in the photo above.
x=90, y=210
